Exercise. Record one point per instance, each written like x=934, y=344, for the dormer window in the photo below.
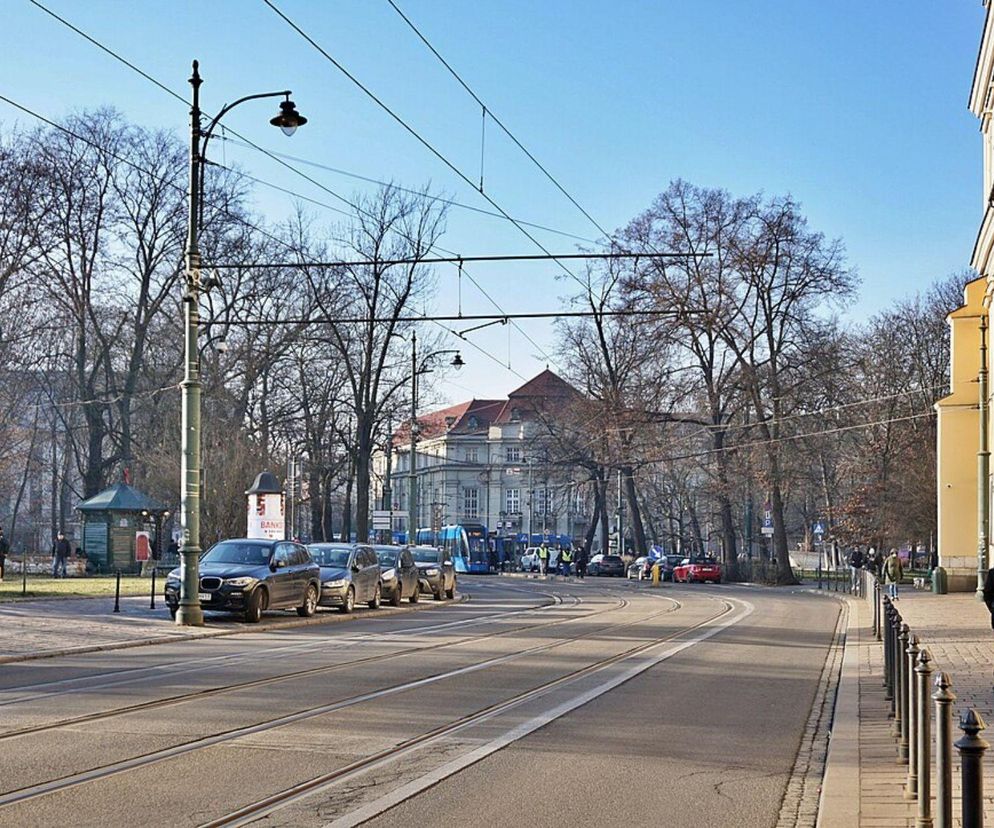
x=515, y=415
x=473, y=423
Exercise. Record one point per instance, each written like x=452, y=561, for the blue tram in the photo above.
x=467, y=543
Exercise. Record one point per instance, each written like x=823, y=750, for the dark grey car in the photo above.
x=350, y=574
x=398, y=574
x=248, y=576
x=437, y=572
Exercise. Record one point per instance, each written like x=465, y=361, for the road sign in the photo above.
x=767, y=528
x=383, y=519
x=819, y=529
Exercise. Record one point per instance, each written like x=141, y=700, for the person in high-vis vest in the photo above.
x=565, y=561
x=543, y=559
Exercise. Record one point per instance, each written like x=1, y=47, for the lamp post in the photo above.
x=412, y=483
x=983, y=465
x=288, y=119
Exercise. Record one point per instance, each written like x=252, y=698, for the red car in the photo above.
x=700, y=571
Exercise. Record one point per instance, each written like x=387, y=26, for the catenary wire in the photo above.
x=489, y=112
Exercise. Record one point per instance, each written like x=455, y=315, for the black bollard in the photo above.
x=151, y=603
x=117, y=593
x=24, y=574
x=971, y=747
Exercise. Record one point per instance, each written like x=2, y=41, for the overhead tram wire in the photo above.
x=274, y=157
x=489, y=112
x=423, y=141
x=128, y=162
x=461, y=318
x=241, y=219
x=278, y=156
x=499, y=257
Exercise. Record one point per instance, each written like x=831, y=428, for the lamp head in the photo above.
x=457, y=361
x=288, y=119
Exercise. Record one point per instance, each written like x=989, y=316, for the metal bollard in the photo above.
x=902, y=695
x=971, y=747
x=876, y=613
x=24, y=574
x=117, y=593
x=944, y=698
x=911, y=688
x=151, y=603
x=888, y=648
x=819, y=573
x=923, y=674
x=880, y=603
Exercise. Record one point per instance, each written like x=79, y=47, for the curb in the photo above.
x=325, y=618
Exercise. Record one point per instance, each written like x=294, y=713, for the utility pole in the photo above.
x=983, y=465
x=412, y=483
x=387, y=502
x=531, y=498
x=621, y=516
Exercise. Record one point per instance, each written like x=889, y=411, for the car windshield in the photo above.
x=387, y=557
x=255, y=553
x=329, y=555
x=426, y=555
x=613, y=558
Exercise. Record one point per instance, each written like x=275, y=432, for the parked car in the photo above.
x=667, y=564
x=701, y=570
x=636, y=569
x=437, y=574
x=350, y=574
x=398, y=574
x=606, y=565
x=250, y=576
x=641, y=568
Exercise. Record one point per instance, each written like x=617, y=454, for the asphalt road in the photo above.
x=537, y=703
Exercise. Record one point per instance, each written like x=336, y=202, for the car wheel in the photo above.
x=375, y=603
x=451, y=593
x=253, y=609
x=349, y=603
x=310, y=605
x=398, y=594
x=416, y=595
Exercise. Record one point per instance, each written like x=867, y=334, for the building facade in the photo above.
x=475, y=463
x=964, y=424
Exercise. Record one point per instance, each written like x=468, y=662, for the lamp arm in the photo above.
x=206, y=134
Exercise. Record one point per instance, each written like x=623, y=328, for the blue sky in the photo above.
x=856, y=108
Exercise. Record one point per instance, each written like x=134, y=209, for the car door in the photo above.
x=371, y=572
x=301, y=571
x=282, y=579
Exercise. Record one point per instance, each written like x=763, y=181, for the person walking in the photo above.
x=566, y=561
x=4, y=550
x=893, y=573
x=60, y=553
x=543, y=559
x=878, y=563
x=856, y=561
x=580, y=557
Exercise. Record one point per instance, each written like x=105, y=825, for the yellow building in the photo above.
x=963, y=507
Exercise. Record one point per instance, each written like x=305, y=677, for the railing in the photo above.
x=907, y=680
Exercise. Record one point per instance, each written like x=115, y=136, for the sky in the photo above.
x=857, y=109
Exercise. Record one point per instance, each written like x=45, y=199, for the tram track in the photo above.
x=181, y=666
x=199, y=695
x=185, y=748
x=248, y=814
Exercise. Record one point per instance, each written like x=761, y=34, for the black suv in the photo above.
x=248, y=575
x=398, y=574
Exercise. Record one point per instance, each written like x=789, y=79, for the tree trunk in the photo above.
x=347, y=510
x=588, y=537
x=600, y=496
x=364, y=450
x=634, y=512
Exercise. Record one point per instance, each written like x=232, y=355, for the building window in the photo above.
x=471, y=502
x=472, y=455
x=473, y=423
x=512, y=454
x=542, y=501
x=512, y=500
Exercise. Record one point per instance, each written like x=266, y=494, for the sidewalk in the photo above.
x=864, y=784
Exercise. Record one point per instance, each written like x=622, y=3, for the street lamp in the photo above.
x=288, y=119
x=412, y=483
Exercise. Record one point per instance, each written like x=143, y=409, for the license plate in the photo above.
x=204, y=596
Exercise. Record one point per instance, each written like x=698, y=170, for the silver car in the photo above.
x=350, y=574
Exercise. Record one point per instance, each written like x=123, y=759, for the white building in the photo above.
x=473, y=466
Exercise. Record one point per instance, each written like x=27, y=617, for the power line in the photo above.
x=442, y=200
x=455, y=259
x=417, y=136
x=488, y=111
x=461, y=318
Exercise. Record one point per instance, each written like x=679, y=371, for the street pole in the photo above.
x=531, y=498
x=188, y=612
x=983, y=466
x=621, y=517
x=387, y=502
x=412, y=483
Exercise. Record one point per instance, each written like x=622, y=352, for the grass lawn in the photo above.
x=41, y=586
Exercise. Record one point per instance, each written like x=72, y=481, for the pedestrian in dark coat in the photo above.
x=4, y=549
x=60, y=554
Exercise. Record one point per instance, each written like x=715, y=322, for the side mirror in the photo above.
x=355, y=566
x=277, y=563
